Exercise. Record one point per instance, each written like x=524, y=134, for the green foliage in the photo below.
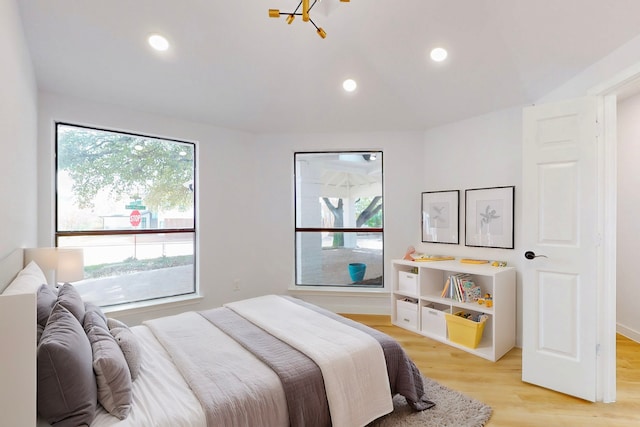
x=127, y=166
x=369, y=211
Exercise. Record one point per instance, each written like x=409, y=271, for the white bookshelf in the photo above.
x=417, y=304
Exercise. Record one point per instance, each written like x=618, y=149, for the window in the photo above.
x=129, y=201
x=339, y=219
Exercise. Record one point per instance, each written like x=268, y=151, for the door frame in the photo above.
x=623, y=84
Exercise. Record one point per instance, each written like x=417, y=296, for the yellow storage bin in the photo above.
x=464, y=331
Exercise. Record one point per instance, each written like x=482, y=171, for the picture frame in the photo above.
x=489, y=217
x=441, y=217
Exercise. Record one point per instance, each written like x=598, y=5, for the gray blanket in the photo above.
x=301, y=377
x=234, y=388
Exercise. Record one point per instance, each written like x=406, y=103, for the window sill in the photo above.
x=153, y=305
x=339, y=290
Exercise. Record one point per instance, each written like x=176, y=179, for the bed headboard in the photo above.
x=10, y=266
x=18, y=349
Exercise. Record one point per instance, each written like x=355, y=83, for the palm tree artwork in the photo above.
x=490, y=220
x=439, y=215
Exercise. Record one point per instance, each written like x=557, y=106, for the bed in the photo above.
x=272, y=360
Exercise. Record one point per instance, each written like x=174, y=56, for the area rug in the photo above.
x=453, y=409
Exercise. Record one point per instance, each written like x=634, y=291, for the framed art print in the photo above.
x=489, y=217
x=440, y=216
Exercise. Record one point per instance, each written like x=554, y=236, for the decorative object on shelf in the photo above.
x=440, y=216
x=487, y=300
x=489, y=217
x=357, y=270
x=473, y=261
x=425, y=257
x=306, y=9
x=407, y=255
x=499, y=263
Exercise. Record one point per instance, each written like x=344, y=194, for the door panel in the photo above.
x=558, y=220
x=560, y=217
x=558, y=314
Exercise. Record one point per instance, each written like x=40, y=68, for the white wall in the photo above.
x=18, y=215
x=628, y=277
x=616, y=64
x=18, y=115
x=485, y=151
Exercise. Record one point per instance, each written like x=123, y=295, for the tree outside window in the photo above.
x=129, y=201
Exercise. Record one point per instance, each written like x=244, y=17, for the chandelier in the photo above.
x=275, y=13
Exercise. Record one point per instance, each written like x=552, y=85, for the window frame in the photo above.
x=131, y=232
x=297, y=229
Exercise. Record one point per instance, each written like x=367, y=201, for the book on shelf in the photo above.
x=460, y=287
x=472, y=292
x=459, y=292
x=452, y=288
x=461, y=280
x=445, y=288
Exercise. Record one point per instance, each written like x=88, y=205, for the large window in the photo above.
x=339, y=222
x=129, y=202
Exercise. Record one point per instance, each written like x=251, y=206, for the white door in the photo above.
x=560, y=228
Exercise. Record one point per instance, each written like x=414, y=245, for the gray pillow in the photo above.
x=115, y=323
x=111, y=369
x=69, y=297
x=66, y=390
x=46, y=297
x=128, y=344
x=89, y=306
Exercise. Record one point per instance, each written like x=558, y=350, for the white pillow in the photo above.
x=27, y=281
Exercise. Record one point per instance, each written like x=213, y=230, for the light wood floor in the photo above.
x=499, y=384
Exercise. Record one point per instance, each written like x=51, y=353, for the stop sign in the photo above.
x=135, y=218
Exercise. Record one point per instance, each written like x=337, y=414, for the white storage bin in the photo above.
x=434, y=321
x=408, y=282
x=407, y=313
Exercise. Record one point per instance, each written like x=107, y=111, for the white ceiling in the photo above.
x=232, y=66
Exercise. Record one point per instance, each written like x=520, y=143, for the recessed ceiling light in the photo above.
x=438, y=54
x=158, y=42
x=349, y=85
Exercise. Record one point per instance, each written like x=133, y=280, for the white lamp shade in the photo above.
x=59, y=265
x=70, y=265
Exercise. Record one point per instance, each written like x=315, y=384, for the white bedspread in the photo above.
x=352, y=362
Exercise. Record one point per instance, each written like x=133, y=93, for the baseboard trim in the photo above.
x=628, y=332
